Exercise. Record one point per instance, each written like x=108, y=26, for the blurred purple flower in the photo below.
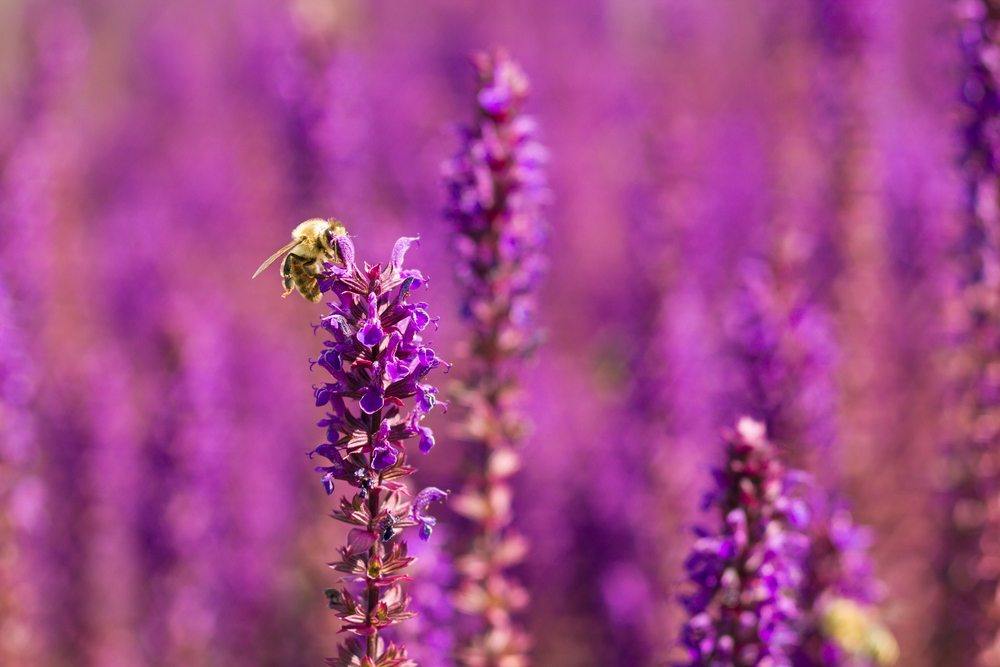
x=19, y=485
x=496, y=187
x=746, y=572
x=970, y=625
x=783, y=341
x=430, y=637
x=839, y=578
x=39, y=607
x=787, y=355
x=367, y=428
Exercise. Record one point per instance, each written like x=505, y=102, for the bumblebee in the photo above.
x=313, y=243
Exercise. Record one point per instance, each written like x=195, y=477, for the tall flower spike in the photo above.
x=496, y=187
x=787, y=353
x=372, y=413
x=970, y=627
x=746, y=572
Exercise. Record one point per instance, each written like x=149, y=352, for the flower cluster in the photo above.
x=376, y=401
x=496, y=188
x=746, y=573
x=970, y=630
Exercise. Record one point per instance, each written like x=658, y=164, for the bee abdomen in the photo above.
x=300, y=274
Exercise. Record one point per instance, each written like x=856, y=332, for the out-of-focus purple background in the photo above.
x=155, y=404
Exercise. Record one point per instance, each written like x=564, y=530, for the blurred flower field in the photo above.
x=710, y=292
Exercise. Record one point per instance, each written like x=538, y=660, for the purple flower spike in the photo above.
x=375, y=356
x=496, y=188
x=969, y=625
x=745, y=575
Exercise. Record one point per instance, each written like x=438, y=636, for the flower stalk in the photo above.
x=495, y=188
x=746, y=572
x=376, y=401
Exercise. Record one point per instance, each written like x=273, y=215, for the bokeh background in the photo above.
x=155, y=404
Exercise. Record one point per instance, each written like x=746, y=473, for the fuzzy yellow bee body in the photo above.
x=313, y=244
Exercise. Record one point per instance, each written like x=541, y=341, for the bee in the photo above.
x=313, y=243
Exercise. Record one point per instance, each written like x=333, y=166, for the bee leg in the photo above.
x=310, y=290
x=286, y=276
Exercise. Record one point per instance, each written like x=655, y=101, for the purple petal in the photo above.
x=323, y=394
x=329, y=474
x=384, y=457
x=427, y=527
x=329, y=360
x=397, y=370
x=426, y=397
x=371, y=333
x=399, y=250
x=495, y=99
x=420, y=318
x=425, y=497
x=420, y=502
x=372, y=401
x=328, y=451
x=414, y=279
x=346, y=250
x=426, y=439
x=427, y=357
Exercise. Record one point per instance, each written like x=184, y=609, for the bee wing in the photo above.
x=270, y=260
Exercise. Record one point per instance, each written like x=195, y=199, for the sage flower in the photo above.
x=376, y=399
x=495, y=187
x=970, y=625
x=784, y=342
x=745, y=571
